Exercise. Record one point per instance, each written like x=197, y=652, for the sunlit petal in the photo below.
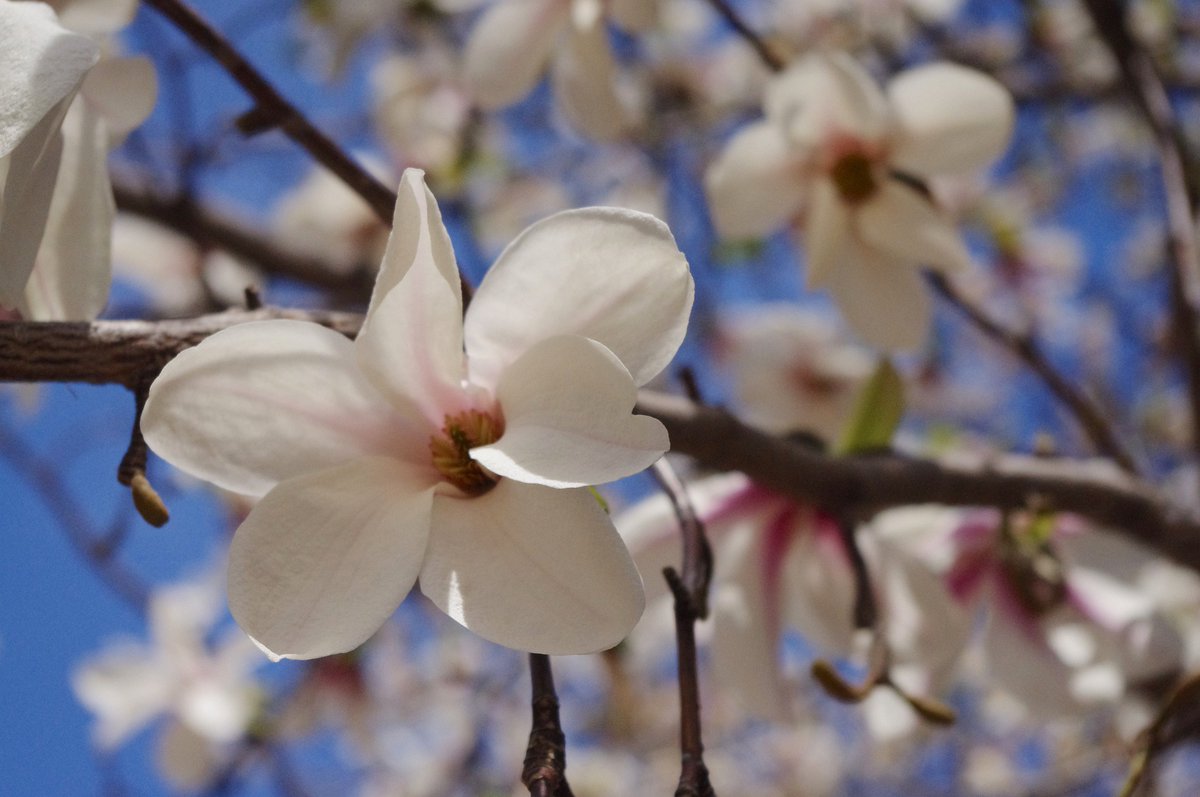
x=757, y=184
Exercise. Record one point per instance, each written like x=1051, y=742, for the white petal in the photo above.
x=186, y=759
x=758, y=183
x=824, y=97
x=218, y=711
x=898, y=221
x=96, y=16
x=73, y=270
x=948, y=119
x=508, y=48
x=125, y=687
x=745, y=645
x=532, y=568
x=41, y=64
x=568, y=418
x=819, y=587
x=584, y=77
x=1027, y=668
x=613, y=275
x=325, y=558
x=262, y=402
x=884, y=303
x=123, y=91
x=827, y=234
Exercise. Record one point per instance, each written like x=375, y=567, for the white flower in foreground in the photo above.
x=514, y=39
x=830, y=148
x=207, y=692
x=41, y=67
x=397, y=458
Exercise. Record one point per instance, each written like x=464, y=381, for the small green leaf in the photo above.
x=877, y=413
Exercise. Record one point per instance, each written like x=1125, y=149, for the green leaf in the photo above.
x=877, y=413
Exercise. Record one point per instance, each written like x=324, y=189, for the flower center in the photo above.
x=854, y=176
x=451, y=449
x=1034, y=569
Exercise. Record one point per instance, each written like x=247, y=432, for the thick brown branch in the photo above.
x=272, y=110
x=544, y=772
x=121, y=352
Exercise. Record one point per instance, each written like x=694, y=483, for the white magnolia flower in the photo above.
x=1066, y=626
x=206, y=691
x=396, y=458
x=41, y=67
x=70, y=278
x=514, y=39
x=831, y=148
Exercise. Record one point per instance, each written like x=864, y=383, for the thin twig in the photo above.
x=697, y=553
x=270, y=105
x=544, y=773
x=735, y=21
x=1082, y=408
x=1150, y=96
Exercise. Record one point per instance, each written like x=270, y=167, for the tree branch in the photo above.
x=544, y=773
x=273, y=111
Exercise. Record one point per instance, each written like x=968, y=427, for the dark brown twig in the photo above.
x=544, y=773
x=735, y=21
x=690, y=591
x=132, y=470
x=1082, y=408
x=270, y=105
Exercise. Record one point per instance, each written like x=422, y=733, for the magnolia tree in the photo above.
x=908, y=289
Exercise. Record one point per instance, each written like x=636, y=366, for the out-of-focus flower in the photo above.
x=72, y=271
x=396, y=457
x=207, y=692
x=514, y=39
x=420, y=110
x=791, y=371
x=41, y=67
x=1066, y=628
x=851, y=23
x=833, y=147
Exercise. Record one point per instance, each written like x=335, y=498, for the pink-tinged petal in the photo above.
x=509, y=47
x=532, y=568
x=824, y=98
x=123, y=91
x=27, y=179
x=584, y=75
x=125, y=687
x=325, y=558
x=745, y=643
x=568, y=418
x=1027, y=669
x=757, y=184
x=267, y=401
x=613, y=275
x=73, y=270
x=884, y=303
x=948, y=119
x=95, y=16
x=818, y=585
x=900, y=223
x=634, y=16
x=411, y=344
x=827, y=233
x=41, y=64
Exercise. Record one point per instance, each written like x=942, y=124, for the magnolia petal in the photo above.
x=325, y=558
x=262, y=402
x=634, y=16
x=73, y=270
x=757, y=185
x=884, y=303
x=613, y=275
x=123, y=91
x=95, y=16
x=899, y=222
x=185, y=758
x=219, y=711
x=1027, y=668
x=125, y=687
x=584, y=76
x=568, y=421
x=827, y=96
x=28, y=177
x=532, y=568
x=948, y=118
x=745, y=644
x=819, y=588
x=508, y=48
x=827, y=234
x=41, y=64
